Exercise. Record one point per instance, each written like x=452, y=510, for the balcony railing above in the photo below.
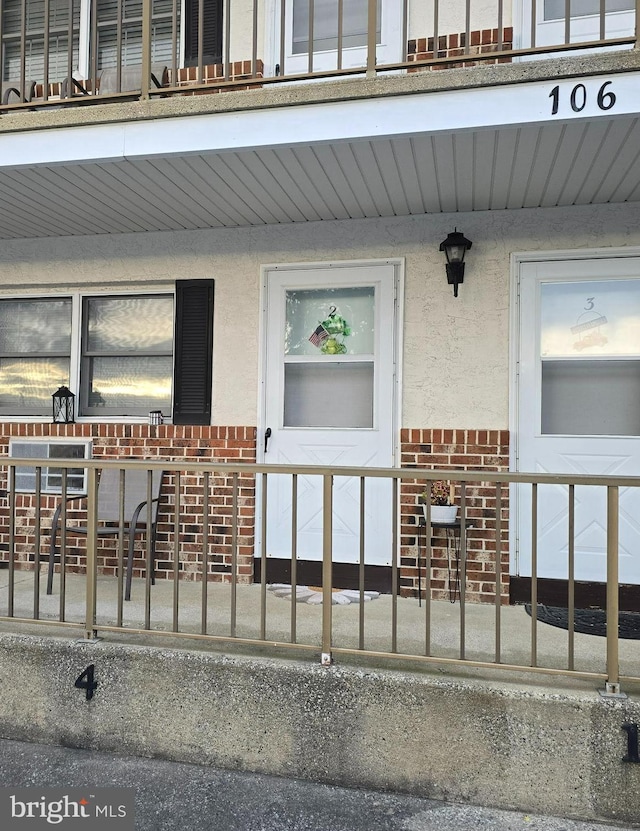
x=92, y=51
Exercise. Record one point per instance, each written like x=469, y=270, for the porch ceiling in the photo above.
x=465, y=168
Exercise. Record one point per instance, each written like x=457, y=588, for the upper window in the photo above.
x=126, y=345
x=49, y=27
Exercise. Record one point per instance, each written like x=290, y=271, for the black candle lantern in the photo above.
x=63, y=406
x=455, y=247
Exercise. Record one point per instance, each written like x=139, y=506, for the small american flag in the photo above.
x=319, y=335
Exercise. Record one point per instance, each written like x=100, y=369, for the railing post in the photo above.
x=637, y=25
x=92, y=539
x=146, y=48
x=371, y=38
x=612, y=684
x=327, y=566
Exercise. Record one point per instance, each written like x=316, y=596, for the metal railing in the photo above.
x=205, y=552
x=86, y=51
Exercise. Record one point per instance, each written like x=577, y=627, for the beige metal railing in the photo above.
x=205, y=552
x=82, y=52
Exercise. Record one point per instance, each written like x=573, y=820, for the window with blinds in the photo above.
x=63, y=31
x=58, y=26
x=124, y=46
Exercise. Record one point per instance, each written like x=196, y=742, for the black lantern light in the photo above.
x=63, y=406
x=455, y=247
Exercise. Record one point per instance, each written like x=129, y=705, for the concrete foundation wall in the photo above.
x=530, y=747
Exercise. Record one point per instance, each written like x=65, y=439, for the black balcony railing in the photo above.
x=77, y=52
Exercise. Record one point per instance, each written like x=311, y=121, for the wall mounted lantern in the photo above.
x=63, y=406
x=455, y=247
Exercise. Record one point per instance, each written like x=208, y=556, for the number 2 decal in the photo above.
x=578, y=98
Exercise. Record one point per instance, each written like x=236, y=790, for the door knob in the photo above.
x=267, y=436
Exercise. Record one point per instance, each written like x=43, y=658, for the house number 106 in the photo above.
x=578, y=98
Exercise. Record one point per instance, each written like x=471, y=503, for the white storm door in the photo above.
x=329, y=400
x=579, y=409
x=327, y=29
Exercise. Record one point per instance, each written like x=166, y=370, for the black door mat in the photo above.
x=588, y=621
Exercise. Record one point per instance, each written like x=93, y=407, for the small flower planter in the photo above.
x=441, y=513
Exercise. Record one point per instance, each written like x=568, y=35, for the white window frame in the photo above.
x=25, y=481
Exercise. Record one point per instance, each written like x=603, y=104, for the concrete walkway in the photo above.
x=446, y=623
x=171, y=796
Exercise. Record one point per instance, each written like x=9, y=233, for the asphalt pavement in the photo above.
x=170, y=795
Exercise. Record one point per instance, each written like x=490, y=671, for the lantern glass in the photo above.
x=455, y=246
x=63, y=406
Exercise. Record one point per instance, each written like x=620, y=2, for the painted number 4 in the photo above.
x=605, y=98
x=86, y=681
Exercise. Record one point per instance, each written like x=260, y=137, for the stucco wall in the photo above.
x=456, y=354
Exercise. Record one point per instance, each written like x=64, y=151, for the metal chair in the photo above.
x=110, y=499
x=131, y=79
x=14, y=93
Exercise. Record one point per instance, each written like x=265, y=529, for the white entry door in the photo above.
x=579, y=409
x=329, y=399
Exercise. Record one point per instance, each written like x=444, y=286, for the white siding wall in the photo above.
x=455, y=350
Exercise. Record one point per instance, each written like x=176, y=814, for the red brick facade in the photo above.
x=453, y=52
x=455, y=450
x=423, y=448
x=173, y=443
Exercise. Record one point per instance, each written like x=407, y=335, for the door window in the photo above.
x=590, y=353
x=329, y=367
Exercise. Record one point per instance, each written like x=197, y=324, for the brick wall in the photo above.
x=423, y=448
x=455, y=450
x=453, y=46
x=186, y=444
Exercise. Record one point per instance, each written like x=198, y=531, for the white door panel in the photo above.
x=349, y=413
x=592, y=333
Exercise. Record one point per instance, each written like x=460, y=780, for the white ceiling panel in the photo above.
x=558, y=163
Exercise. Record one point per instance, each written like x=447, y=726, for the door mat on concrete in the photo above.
x=588, y=621
x=313, y=594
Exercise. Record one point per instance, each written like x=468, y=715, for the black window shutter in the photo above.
x=193, y=352
x=212, y=40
